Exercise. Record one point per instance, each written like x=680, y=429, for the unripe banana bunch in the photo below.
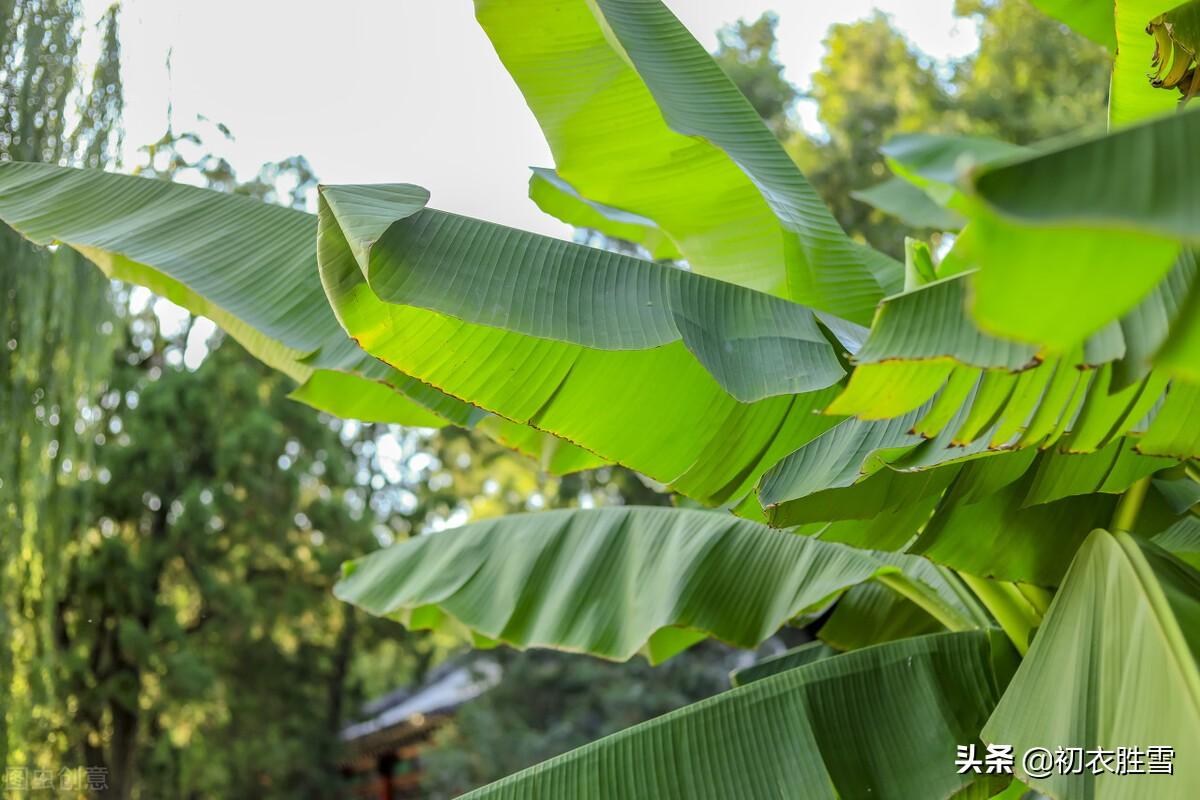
x=1176, y=43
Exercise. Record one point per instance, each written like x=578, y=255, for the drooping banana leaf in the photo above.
x=640, y=118
x=610, y=582
x=250, y=266
x=1136, y=328
x=753, y=345
x=1112, y=665
x=620, y=356
x=1161, y=329
x=838, y=727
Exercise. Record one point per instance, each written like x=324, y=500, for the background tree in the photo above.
x=747, y=53
x=1031, y=78
x=57, y=332
x=872, y=85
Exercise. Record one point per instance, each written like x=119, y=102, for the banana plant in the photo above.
x=974, y=474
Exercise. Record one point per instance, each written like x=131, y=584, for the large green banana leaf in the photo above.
x=1113, y=665
x=573, y=297
x=1146, y=333
x=1027, y=195
x=837, y=727
x=641, y=119
x=618, y=581
x=620, y=356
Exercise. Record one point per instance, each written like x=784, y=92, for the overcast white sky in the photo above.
x=376, y=91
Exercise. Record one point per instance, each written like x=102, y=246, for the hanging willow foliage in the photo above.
x=57, y=332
